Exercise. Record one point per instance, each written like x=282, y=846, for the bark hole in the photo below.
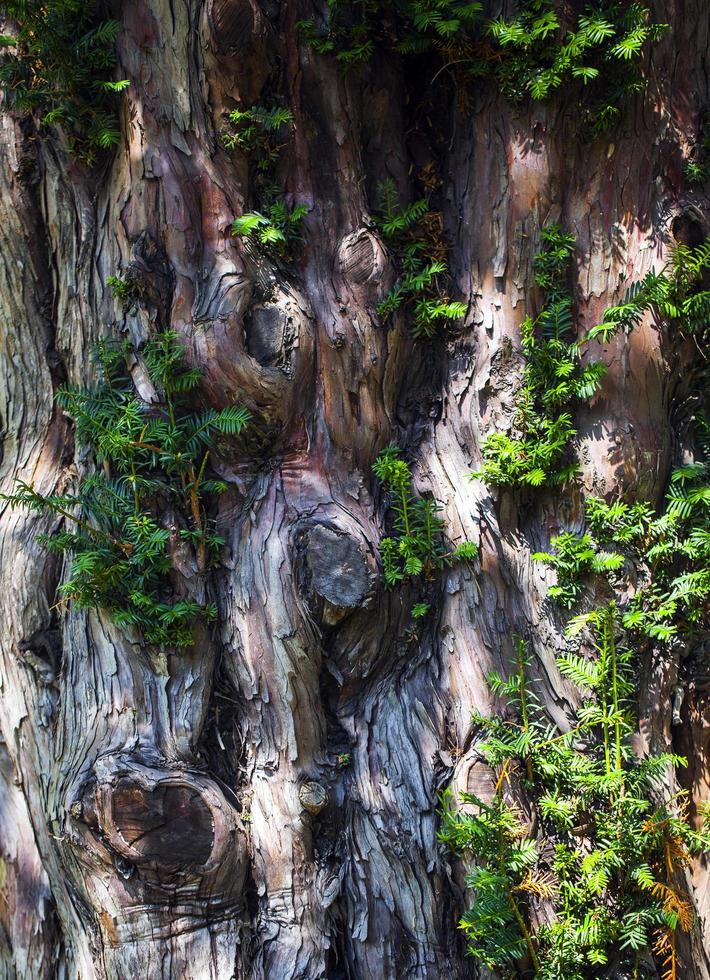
x=270, y=335
x=687, y=230
x=169, y=825
x=43, y=649
x=151, y=278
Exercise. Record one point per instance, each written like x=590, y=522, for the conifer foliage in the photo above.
x=415, y=234
x=538, y=451
x=536, y=49
x=592, y=879
x=260, y=133
x=417, y=546
x=590, y=884
x=668, y=554
x=151, y=461
x=60, y=62
x=677, y=295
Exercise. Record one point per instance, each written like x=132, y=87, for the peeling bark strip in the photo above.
x=264, y=805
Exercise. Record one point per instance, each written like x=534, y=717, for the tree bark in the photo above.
x=162, y=811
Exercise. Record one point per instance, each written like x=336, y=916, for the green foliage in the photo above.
x=121, y=287
x=127, y=289
x=537, y=450
x=258, y=130
x=601, y=52
x=152, y=460
x=420, y=610
x=669, y=553
x=532, y=53
x=675, y=294
x=605, y=852
x=602, y=851
x=60, y=63
x=678, y=293
x=575, y=558
x=352, y=25
x=495, y=833
x=277, y=229
x=697, y=170
x=259, y=133
x=415, y=234
x=417, y=546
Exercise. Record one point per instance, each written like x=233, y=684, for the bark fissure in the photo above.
x=264, y=804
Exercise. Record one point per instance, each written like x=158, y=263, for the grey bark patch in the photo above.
x=337, y=569
x=507, y=364
x=505, y=375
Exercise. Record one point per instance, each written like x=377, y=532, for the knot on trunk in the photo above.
x=362, y=259
x=333, y=571
x=272, y=333
x=259, y=355
x=173, y=827
x=149, y=279
x=233, y=25
x=313, y=797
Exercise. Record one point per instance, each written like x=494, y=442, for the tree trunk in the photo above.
x=161, y=811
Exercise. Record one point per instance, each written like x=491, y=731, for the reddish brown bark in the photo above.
x=152, y=819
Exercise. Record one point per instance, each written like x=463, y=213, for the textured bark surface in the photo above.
x=183, y=814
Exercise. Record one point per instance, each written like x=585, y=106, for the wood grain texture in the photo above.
x=183, y=814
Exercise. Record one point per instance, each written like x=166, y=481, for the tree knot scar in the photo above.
x=313, y=797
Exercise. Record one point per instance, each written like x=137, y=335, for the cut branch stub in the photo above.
x=335, y=572
x=168, y=826
x=313, y=797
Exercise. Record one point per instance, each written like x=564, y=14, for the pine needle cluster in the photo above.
x=415, y=235
x=592, y=877
x=147, y=499
x=59, y=63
